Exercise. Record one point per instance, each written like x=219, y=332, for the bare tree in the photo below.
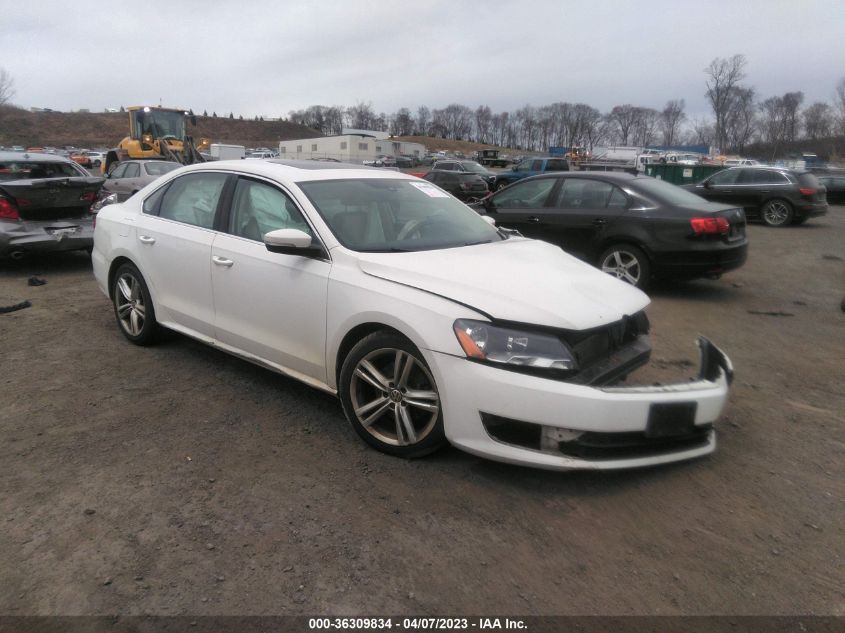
x=702, y=132
x=791, y=103
x=361, y=116
x=741, y=120
x=839, y=105
x=818, y=120
x=623, y=117
x=723, y=76
x=402, y=123
x=483, y=121
x=671, y=119
x=7, y=86
x=423, y=119
x=645, y=126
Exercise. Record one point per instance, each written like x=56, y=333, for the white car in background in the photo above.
x=428, y=322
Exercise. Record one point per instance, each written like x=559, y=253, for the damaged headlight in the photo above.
x=513, y=348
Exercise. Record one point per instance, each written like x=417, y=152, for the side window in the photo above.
x=193, y=199
x=537, y=165
x=618, y=199
x=119, y=171
x=527, y=194
x=258, y=208
x=449, y=166
x=775, y=178
x=725, y=177
x=133, y=170
x=556, y=164
x=151, y=203
x=578, y=193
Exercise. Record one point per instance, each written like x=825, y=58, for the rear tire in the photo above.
x=777, y=213
x=627, y=263
x=133, y=306
x=390, y=397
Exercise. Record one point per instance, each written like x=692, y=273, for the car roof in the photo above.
x=298, y=170
x=619, y=176
x=33, y=156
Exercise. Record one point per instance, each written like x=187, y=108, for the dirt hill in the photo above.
x=82, y=129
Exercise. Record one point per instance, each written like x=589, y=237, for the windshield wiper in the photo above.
x=478, y=242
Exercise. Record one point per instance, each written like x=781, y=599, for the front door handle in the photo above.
x=533, y=219
x=599, y=221
x=222, y=261
x=146, y=239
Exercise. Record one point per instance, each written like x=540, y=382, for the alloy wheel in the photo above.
x=776, y=213
x=394, y=397
x=623, y=265
x=129, y=300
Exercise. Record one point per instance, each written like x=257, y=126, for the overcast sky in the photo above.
x=267, y=58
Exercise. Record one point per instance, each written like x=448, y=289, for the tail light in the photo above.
x=88, y=196
x=710, y=226
x=8, y=210
x=807, y=191
x=464, y=186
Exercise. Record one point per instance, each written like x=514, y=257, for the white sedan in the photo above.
x=430, y=324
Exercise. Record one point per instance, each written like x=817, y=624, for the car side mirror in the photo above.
x=706, y=184
x=515, y=168
x=290, y=242
x=489, y=220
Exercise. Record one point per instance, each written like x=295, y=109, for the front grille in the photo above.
x=594, y=346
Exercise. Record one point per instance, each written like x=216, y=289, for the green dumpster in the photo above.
x=681, y=174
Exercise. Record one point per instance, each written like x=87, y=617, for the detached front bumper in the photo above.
x=522, y=419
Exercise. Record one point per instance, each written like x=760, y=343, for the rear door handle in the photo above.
x=534, y=219
x=222, y=261
x=146, y=239
x=599, y=221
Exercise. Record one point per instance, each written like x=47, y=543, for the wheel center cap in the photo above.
x=395, y=396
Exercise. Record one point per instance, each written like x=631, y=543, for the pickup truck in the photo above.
x=531, y=166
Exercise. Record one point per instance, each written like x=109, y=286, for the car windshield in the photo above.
x=473, y=167
x=158, y=169
x=392, y=215
x=13, y=170
x=666, y=192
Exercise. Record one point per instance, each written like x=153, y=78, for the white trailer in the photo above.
x=219, y=151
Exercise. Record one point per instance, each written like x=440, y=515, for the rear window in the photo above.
x=807, y=180
x=666, y=192
x=18, y=170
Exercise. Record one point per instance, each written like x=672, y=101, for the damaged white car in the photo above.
x=429, y=323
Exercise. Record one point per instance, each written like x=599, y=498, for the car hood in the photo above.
x=520, y=280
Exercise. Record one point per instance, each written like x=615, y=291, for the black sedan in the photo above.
x=45, y=204
x=633, y=227
x=464, y=186
x=835, y=185
x=776, y=195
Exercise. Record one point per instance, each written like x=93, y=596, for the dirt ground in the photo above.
x=179, y=480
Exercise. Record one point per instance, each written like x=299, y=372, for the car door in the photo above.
x=129, y=181
x=581, y=212
x=114, y=179
x=721, y=186
x=269, y=305
x=521, y=206
x=174, y=234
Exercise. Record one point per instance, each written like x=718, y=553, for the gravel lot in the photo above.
x=178, y=480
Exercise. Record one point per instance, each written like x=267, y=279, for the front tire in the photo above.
x=133, y=307
x=777, y=213
x=390, y=397
x=501, y=185
x=628, y=263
